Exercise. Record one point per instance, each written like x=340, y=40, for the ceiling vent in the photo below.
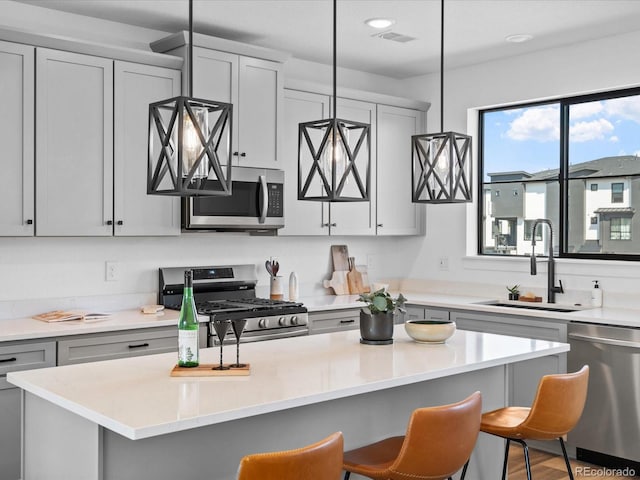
x=394, y=37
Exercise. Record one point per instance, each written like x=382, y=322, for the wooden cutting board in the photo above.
x=338, y=282
x=340, y=255
x=354, y=278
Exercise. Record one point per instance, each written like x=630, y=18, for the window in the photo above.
x=560, y=159
x=528, y=225
x=620, y=228
x=617, y=192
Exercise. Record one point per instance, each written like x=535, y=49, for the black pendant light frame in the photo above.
x=441, y=162
x=166, y=172
x=332, y=186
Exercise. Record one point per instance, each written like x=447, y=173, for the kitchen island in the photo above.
x=128, y=418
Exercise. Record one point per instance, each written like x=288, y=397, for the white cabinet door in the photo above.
x=396, y=214
x=301, y=217
x=16, y=138
x=215, y=78
x=357, y=218
x=135, y=212
x=74, y=144
x=260, y=112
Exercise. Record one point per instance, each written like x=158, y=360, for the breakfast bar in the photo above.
x=129, y=418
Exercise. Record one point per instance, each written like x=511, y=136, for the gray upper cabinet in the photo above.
x=255, y=88
x=135, y=212
x=396, y=214
x=16, y=138
x=74, y=144
x=301, y=217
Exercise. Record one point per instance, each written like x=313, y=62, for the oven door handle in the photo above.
x=264, y=198
x=606, y=341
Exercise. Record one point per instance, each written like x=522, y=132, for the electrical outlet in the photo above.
x=443, y=263
x=112, y=271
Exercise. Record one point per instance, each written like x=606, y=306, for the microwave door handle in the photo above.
x=264, y=198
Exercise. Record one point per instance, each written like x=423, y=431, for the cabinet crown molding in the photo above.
x=221, y=44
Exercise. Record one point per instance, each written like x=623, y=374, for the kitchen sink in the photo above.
x=548, y=307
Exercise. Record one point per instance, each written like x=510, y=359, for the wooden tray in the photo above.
x=205, y=370
x=530, y=299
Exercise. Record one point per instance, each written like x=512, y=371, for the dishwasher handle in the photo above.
x=606, y=341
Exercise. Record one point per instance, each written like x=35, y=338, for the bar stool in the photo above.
x=438, y=443
x=320, y=461
x=556, y=409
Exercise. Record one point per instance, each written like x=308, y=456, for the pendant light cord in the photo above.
x=335, y=50
x=441, y=66
x=190, y=48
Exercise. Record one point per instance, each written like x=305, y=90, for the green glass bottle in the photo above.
x=188, y=353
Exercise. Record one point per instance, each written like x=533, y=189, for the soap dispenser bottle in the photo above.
x=596, y=295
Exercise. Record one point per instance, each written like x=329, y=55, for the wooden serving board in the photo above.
x=338, y=282
x=354, y=280
x=340, y=255
x=206, y=370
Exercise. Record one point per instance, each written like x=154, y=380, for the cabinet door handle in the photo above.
x=120, y=222
x=235, y=154
x=140, y=345
x=333, y=224
x=7, y=360
x=380, y=225
x=325, y=224
x=343, y=322
x=109, y=222
x=243, y=154
x=29, y=222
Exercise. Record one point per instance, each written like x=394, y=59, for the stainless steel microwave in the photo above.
x=255, y=204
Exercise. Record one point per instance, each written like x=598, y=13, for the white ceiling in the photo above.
x=474, y=29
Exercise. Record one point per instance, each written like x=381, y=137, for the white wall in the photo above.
x=608, y=63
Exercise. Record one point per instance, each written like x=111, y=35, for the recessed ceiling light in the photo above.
x=519, y=38
x=380, y=22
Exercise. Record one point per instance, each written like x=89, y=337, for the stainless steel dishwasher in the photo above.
x=609, y=431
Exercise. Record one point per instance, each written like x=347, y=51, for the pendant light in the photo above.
x=189, y=143
x=335, y=153
x=441, y=162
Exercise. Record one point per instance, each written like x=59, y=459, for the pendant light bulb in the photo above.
x=335, y=156
x=191, y=145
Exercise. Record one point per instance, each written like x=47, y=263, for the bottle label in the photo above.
x=188, y=346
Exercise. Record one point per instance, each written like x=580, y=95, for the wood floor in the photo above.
x=546, y=466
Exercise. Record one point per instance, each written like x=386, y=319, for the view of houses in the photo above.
x=602, y=201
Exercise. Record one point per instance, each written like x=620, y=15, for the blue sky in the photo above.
x=528, y=138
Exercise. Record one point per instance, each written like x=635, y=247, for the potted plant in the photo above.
x=376, y=319
x=514, y=292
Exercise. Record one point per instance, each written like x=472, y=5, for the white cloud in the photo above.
x=614, y=139
x=593, y=130
x=541, y=124
x=625, y=107
x=584, y=110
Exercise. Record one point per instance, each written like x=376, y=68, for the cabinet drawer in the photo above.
x=26, y=356
x=334, y=321
x=515, y=326
x=92, y=348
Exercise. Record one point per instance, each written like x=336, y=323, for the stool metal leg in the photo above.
x=347, y=474
x=566, y=458
x=506, y=458
x=464, y=470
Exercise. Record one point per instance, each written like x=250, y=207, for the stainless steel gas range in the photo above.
x=228, y=292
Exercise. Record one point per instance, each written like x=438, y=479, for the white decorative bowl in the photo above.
x=430, y=331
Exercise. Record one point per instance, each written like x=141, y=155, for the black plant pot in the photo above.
x=514, y=296
x=376, y=328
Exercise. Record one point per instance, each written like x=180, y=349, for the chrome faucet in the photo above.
x=551, y=267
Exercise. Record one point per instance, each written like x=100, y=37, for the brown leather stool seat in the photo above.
x=438, y=443
x=320, y=461
x=556, y=409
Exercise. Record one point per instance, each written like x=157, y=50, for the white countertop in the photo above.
x=137, y=398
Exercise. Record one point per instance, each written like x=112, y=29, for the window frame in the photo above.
x=614, y=194
x=620, y=230
x=561, y=230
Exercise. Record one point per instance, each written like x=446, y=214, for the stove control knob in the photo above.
x=263, y=323
x=294, y=320
x=282, y=321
